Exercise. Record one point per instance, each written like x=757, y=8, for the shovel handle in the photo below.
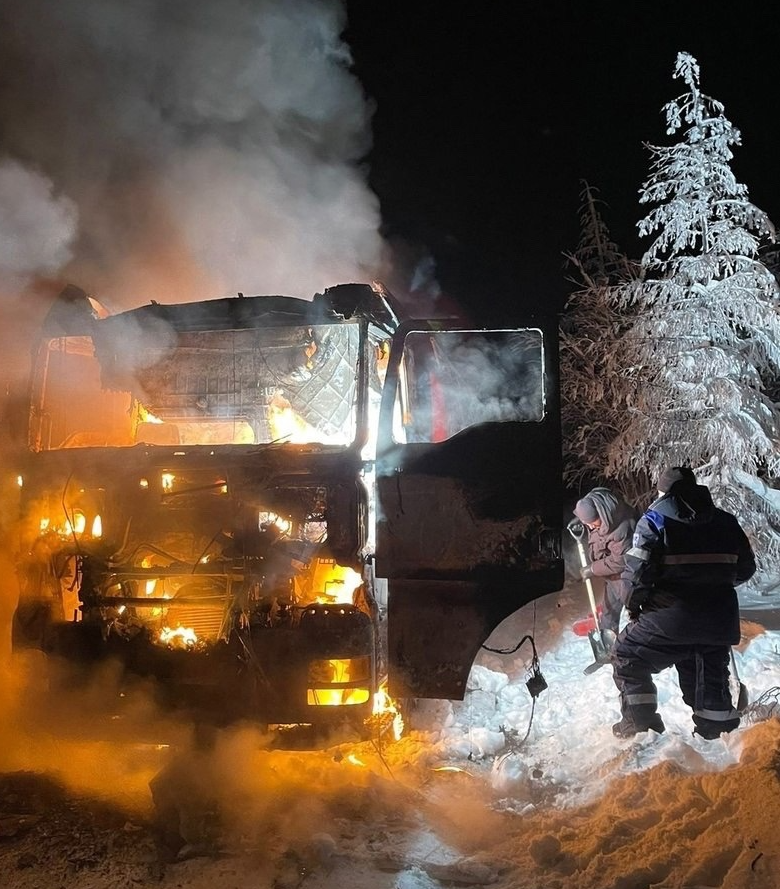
x=592, y=600
x=588, y=584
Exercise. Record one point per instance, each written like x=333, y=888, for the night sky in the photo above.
x=180, y=149
x=489, y=115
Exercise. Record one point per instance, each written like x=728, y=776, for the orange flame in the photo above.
x=324, y=672
x=181, y=637
x=384, y=707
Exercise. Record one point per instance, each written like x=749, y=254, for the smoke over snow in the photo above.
x=179, y=149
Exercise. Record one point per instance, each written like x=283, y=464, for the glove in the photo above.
x=586, y=573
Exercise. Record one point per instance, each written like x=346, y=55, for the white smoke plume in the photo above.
x=173, y=150
x=205, y=148
x=36, y=228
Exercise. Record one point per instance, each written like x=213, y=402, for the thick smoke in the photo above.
x=172, y=150
x=36, y=228
x=204, y=148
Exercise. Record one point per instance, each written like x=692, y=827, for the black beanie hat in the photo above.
x=673, y=474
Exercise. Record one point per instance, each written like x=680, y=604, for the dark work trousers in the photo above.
x=703, y=672
x=614, y=597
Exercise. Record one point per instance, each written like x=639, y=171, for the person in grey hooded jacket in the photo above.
x=684, y=562
x=610, y=522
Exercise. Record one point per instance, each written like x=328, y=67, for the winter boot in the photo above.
x=627, y=728
x=711, y=730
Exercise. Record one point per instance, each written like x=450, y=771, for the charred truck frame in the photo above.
x=268, y=506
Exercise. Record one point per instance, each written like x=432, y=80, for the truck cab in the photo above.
x=281, y=509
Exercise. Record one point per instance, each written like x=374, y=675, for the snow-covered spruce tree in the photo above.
x=705, y=338
x=769, y=254
x=589, y=326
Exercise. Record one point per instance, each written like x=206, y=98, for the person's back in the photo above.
x=684, y=562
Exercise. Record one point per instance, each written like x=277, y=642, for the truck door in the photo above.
x=469, y=493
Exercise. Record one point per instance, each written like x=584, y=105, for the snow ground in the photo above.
x=464, y=798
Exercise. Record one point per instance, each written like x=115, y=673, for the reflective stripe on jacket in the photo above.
x=675, y=547
x=685, y=559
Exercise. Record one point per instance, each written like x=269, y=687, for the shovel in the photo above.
x=600, y=640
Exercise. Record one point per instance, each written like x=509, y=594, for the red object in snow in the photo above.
x=585, y=625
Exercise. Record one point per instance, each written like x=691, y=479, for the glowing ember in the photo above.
x=384, y=708
x=354, y=760
x=146, y=416
x=338, y=584
x=271, y=519
x=77, y=524
x=74, y=524
x=324, y=672
x=181, y=637
x=286, y=425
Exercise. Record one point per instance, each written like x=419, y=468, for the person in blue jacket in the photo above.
x=685, y=559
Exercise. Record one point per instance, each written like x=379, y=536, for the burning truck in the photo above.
x=280, y=509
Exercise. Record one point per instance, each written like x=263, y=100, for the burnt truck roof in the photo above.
x=73, y=313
